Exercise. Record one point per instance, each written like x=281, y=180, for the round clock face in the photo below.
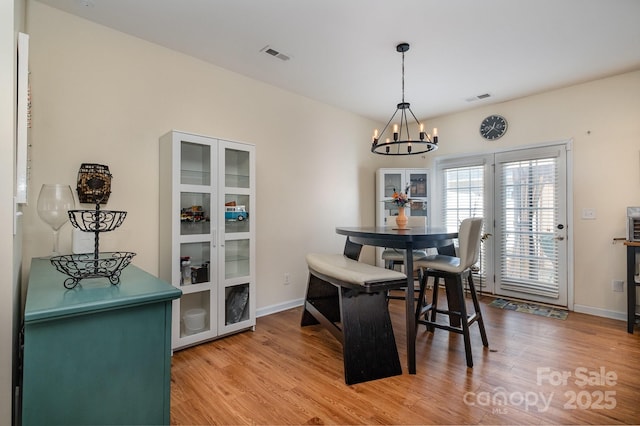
x=493, y=127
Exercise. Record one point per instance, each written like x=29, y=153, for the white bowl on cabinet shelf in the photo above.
x=194, y=320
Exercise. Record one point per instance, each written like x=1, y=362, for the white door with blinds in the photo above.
x=531, y=224
x=522, y=196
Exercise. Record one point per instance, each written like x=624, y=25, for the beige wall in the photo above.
x=102, y=96
x=602, y=120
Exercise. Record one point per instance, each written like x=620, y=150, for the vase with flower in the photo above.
x=401, y=199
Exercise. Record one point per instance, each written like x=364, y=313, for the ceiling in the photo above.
x=343, y=52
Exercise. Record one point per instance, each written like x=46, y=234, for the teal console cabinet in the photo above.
x=98, y=353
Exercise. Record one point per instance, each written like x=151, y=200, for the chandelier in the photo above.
x=400, y=141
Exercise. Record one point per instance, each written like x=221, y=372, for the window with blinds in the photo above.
x=463, y=197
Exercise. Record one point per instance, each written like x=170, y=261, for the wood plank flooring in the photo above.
x=584, y=370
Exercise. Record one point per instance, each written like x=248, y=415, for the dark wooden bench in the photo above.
x=349, y=298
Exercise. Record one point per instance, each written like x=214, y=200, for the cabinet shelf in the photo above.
x=195, y=188
x=236, y=181
x=195, y=288
x=196, y=238
x=194, y=177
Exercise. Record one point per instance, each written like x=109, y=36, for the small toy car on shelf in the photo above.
x=235, y=213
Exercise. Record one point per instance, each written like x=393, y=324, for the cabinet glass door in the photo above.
x=392, y=182
x=196, y=260
x=195, y=311
x=236, y=168
x=418, y=191
x=237, y=196
x=237, y=213
x=195, y=164
x=195, y=210
x=195, y=263
x=237, y=258
x=417, y=184
x=236, y=304
x=237, y=263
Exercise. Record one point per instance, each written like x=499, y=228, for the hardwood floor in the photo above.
x=284, y=374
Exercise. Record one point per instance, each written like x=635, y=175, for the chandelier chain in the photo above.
x=402, y=77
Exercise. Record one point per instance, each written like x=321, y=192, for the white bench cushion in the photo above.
x=344, y=269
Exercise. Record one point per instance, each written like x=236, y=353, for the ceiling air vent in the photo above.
x=273, y=52
x=478, y=97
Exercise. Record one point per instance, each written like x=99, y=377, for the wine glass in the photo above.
x=54, y=202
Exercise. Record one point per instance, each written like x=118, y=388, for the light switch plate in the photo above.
x=588, y=213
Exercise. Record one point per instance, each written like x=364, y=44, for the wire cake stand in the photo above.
x=96, y=264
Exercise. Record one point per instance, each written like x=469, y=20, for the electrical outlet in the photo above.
x=617, y=286
x=287, y=278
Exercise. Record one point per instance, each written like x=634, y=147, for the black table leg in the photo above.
x=410, y=310
x=631, y=287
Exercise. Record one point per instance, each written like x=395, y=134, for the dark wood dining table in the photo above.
x=414, y=238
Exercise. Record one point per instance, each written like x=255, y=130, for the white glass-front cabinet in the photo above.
x=207, y=235
x=390, y=180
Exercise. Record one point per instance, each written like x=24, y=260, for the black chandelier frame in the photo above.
x=401, y=143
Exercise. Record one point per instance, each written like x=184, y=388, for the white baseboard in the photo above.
x=583, y=309
x=278, y=307
x=622, y=316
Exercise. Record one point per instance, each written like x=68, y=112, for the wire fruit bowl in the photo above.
x=96, y=220
x=94, y=265
x=88, y=265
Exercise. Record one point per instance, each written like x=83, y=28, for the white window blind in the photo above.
x=529, y=261
x=463, y=197
x=463, y=190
